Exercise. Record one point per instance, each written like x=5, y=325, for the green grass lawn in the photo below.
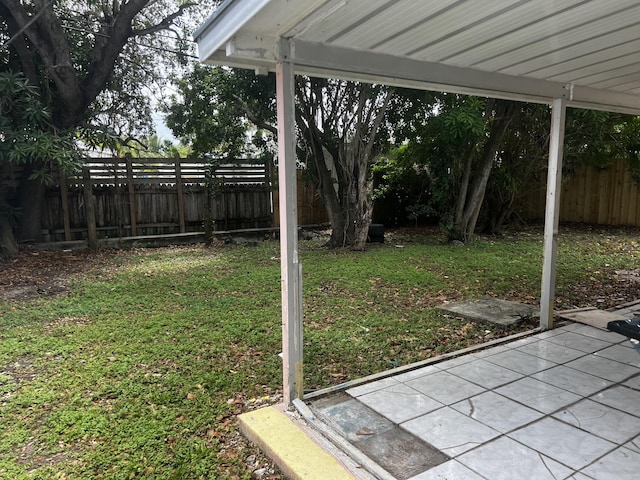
x=140, y=368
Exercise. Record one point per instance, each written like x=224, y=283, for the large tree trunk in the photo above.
x=348, y=201
x=341, y=154
x=464, y=183
x=31, y=202
x=340, y=196
x=8, y=244
x=350, y=227
x=466, y=217
x=27, y=206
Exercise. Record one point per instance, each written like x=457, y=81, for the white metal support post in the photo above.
x=552, y=215
x=291, y=271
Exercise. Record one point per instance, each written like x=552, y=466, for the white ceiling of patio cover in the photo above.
x=586, y=51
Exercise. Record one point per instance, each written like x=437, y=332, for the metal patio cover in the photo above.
x=581, y=53
x=584, y=51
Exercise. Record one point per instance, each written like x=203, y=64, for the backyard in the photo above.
x=134, y=363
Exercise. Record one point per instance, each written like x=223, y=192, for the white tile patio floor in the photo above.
x=562, y=404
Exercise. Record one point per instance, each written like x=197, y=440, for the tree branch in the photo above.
x=25, y=56
x=253, y=118
x=165, y=24
x=377, y=122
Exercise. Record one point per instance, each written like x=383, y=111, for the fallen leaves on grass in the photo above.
x=36, y=273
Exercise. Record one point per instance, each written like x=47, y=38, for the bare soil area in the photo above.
x=34, y=274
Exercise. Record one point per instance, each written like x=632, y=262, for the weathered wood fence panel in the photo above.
x=168, y=196
x=311, y=211
x=163, y=196
x=157, y=196
x=591, y=195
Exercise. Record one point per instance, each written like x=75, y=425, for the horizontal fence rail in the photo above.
x=167, y=171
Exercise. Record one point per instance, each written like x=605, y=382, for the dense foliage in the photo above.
x=446, y=155
x=27, y=140
x=92, y=66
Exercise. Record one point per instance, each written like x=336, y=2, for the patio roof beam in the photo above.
x=259, y=51
x=390, y=69
x=291, y=270
x=606, y=100
x=552, y=215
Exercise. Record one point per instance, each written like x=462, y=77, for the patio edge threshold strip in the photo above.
x=291, y=448
x=360, y=458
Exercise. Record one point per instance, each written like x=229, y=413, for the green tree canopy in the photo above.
x=221, y=112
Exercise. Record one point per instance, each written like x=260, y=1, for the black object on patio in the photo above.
x=629, y=328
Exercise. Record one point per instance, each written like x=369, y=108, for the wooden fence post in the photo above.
x=180, y=192
x=92, y=234
x=64, y=197
x=132, y=196
x=272, y=182
x=117, y=198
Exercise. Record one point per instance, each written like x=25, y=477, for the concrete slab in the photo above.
x=628, y=310
x=401, y=453
x=295, y=453
x=491, y=310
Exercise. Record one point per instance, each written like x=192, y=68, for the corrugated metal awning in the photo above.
x=585, y=51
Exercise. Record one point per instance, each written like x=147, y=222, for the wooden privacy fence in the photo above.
x=126, y=197
x=311, y=211
x=161, y=196
x=590, y=195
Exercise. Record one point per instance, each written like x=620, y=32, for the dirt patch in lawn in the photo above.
x=34, y=274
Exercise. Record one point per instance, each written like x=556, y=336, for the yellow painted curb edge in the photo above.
x=289, y=447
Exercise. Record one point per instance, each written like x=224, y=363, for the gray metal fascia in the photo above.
x=218, y=12
x=228, y=19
